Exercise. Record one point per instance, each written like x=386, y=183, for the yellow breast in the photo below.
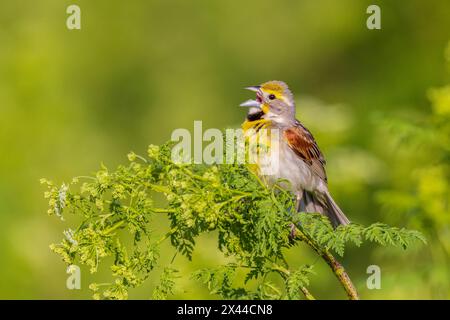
x=257, y=136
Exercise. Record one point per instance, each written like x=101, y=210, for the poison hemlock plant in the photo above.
x=253, y=223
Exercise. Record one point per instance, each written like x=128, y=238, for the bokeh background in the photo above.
x=378, y=102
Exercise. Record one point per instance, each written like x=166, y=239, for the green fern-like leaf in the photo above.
x=296, y=280
x=386, y=235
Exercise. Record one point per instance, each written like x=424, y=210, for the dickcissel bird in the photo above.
x=299, y=159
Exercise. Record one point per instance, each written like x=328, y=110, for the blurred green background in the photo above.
x=137, y=70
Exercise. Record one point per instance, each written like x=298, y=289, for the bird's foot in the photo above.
x=293, y=233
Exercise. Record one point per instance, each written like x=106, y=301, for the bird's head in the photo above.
x=274, y=101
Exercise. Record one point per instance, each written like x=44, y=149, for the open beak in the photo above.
x=253, y=88
x=253, y=103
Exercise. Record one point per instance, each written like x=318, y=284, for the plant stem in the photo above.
x=307, y=294
x=342, y=275
x=114, y=227
x=167, y=235
x=335, y=266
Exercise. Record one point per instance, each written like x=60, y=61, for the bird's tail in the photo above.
x=324, y=204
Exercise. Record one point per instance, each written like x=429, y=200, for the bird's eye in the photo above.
x=272, y=97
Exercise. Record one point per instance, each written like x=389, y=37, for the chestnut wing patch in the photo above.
x=303, y=144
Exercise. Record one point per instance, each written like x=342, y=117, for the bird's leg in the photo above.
x=292, y=234
x=298, y=198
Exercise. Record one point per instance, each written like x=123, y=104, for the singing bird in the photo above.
x=298, y=159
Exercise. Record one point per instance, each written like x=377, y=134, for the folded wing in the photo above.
x=303, y=144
